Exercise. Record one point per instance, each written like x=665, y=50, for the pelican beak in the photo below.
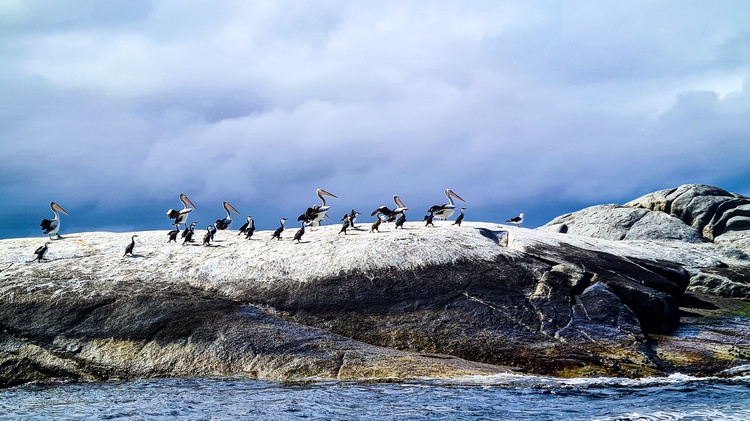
x=232, y=208
x=58, y=207
x=399, y=202
x=456, y=196
x=325, y=193
x=190, y=203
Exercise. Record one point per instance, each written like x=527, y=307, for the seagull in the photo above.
x=518, y=220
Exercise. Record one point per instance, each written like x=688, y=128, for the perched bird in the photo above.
x=428, y=218
x=210, y=230
x=249, y=231
x=300, y=232
x=375, y=227
x=401, y=220
x=173, y=235
x=314, y=215
x=352, y=218
x=222, y=224
x=245, y=226
x=189, y=229
x=40, y=252
x=188, y=234
x=391, y=215
x=445, y=210
x=129, y=248
x=347, y=223
x=460, y=217
x=180, y=216
x=518, y=220
x=279, y=230
x=52, y=226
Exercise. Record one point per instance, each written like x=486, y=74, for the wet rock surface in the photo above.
x=447, y=301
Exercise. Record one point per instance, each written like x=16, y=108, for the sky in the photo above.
x=112, y=109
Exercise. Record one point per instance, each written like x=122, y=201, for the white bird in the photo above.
x=180, y=216
x=52, y=226
x=446, y=210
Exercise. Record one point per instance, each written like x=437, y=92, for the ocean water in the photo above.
x=514, y=397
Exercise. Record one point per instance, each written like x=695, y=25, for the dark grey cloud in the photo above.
x=541, y=107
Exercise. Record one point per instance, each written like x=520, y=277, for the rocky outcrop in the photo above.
x=720, y=216
x=631, y=290
x=450, y=301
x=614, y=222
x=692, y=213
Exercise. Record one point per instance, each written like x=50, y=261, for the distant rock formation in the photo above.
x=718, y=215
x=690, y=213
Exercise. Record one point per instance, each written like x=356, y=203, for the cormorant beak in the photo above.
x=57, y=207
x=456, y=196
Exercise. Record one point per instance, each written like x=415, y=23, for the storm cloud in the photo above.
x=114, y=108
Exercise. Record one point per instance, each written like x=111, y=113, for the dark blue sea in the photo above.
x=514, y=397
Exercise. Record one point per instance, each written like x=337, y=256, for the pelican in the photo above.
x=518, y=220
x=41, y=251
x=460, y=217
x=391, y=215
x=129, y=248
x=314, y=215
x=446, y=210
x=279, y=230
x=300, y=232
x=222, y=224
x=180, y=216
x=52, y=226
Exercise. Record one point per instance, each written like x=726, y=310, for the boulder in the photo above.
x=614, y=222
x=709, y=210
